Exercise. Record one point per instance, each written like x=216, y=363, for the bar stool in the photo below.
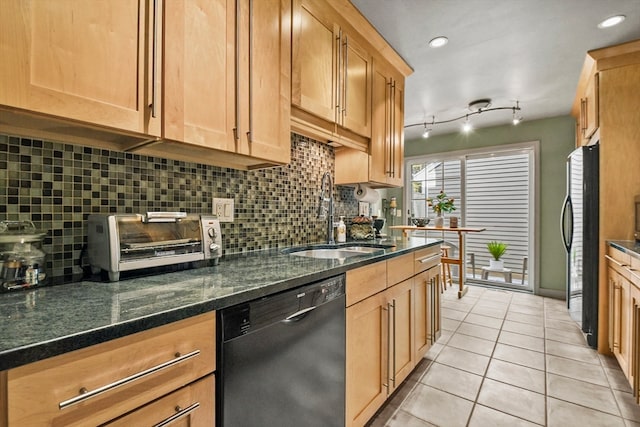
x=445, y=267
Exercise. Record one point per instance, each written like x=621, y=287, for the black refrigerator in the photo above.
x=580, y=237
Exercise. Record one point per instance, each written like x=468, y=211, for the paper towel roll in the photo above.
x=364, y=193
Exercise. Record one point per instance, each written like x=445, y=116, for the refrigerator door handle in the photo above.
x=567, y=222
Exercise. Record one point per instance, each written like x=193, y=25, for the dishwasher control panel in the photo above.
x=291, y=305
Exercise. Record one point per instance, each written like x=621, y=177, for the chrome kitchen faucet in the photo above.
x=327, y=187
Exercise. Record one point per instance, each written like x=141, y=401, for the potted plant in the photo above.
x=441, y=203
x=496, y=249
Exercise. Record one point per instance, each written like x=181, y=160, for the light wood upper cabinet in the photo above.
x=331, y=76
x=87, y=61
x=383, y=165
x=199, y=72
x=227, y=82
x=387, y=137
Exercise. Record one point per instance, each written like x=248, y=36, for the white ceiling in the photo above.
x=526, y=50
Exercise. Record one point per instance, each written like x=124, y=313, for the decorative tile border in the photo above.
x=58, y=185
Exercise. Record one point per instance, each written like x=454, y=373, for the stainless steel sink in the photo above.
x=336, y=252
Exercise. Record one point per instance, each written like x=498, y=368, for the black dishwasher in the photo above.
x=282, y=359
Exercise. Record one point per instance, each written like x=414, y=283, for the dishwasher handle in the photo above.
x=298, y=315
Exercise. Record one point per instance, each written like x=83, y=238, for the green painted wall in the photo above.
x=557, y=140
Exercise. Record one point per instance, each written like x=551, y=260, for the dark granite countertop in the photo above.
x=48, y=321
x=627, y=246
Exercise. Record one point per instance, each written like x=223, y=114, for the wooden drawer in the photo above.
x=619, y=261
x=111, y=378
x=635, y=271
x=366, y=281
x=427, y=258
x=192, y=405
x=399, y=269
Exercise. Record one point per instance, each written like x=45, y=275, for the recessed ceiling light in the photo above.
x=438, y=41
x=611, y=21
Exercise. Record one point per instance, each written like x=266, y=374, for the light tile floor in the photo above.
x=510, y=359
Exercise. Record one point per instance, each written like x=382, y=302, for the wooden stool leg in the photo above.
x=445, y=270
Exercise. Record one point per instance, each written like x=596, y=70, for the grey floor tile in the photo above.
x=526, y=309
x=517, y=375
x=629, y=423
x=570, y=336
x=478, y=319
x=560, y=324
x=629, y=409
x=617, y=380
x=449, y=325
x=438, y=407
x=461, y=359
x=498, y=313
x=523, y=328
x=527, y=299
x=557, y=315
x=577, y=370
x=473, y=344
x=483, y=416
x=525, y=318
x=453, y=314
x=457, y=305
x=555, y=304
x=478, y=331
x=570, y=351
x=404, y=419
x=455, y=381
x=582, y=393
x=434, y=351
x=564, y=414
x=520, y=356
x=519, y=340
x=513, y=400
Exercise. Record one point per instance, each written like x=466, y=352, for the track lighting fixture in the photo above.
x=477, y=107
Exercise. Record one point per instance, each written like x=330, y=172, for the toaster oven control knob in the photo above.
x=212, y=232
x=213, y=247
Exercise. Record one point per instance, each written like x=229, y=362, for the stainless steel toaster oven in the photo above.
x=126, y=242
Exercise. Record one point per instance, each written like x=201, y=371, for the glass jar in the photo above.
x=23, y=261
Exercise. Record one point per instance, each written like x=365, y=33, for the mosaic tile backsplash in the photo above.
x=58, y=185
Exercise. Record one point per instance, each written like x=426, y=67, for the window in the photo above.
x=493, y=190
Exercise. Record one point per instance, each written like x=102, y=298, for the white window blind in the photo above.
x=497, y=198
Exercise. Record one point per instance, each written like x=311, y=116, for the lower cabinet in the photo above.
x=145, y=377
x=190, y=406
x=623, y=273
x=388, y=331
x=426, y=309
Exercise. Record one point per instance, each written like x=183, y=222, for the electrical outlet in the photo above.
x=223, y=209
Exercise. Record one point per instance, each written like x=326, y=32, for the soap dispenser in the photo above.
x=342, y=231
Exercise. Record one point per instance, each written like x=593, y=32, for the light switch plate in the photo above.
x=223, y=209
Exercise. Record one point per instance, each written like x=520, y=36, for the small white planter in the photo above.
x=438, y=221
x=496, y=265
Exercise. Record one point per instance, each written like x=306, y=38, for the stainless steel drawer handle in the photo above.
x=180, y=413
x=427, y=259
x=615, y=261
x=86, y=394
x=298, y=314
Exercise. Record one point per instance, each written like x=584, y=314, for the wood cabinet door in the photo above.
x=190, y=406
x=589, y=112
x=314, y=61
x=401, y=354
x=387, y=140
x=634, y=369
x=199, y=73
x=367, y=357
x=93, y=62
x=397, y=133
x=621, y=319
x=265, y=83
x=355, y=86
x=421, y=321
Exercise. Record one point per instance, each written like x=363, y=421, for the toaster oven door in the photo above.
x=140, y=240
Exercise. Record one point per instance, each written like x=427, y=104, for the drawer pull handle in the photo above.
x=615, y=261
x=427, y=259
x=180, y=413
x=86, y=394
